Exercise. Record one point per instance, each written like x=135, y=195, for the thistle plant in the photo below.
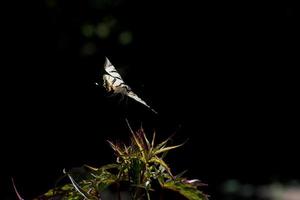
x=139, y=170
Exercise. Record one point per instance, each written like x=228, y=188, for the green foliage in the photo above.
x=139, y=166
x=186, y=189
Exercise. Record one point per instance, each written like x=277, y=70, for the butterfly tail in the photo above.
x=138, y=99
x=153, y=110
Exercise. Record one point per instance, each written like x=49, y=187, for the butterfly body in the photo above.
x=115, y=85
x=113, y=82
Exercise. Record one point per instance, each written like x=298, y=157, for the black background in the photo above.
x=221, y=74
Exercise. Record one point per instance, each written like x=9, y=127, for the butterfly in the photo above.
x=113, y=82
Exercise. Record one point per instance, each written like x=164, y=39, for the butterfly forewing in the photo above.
x=111, y=70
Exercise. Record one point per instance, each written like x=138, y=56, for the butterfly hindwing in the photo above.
x=138, y=99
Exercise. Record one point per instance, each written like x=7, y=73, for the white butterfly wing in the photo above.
x=111, y=70
x=138, y=99
x=112, y=81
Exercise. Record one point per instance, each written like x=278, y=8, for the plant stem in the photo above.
x=148, y=195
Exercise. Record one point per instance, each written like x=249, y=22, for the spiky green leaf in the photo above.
x=187, y=190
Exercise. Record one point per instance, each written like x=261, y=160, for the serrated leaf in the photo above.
x=79, y=189
x=162, y=163
x=187, y=190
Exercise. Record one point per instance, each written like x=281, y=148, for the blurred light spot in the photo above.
x=51, y=3
x=231, y=186
x=87, y=30
x=125, y=38
x=291, y=193
x=110, y=21
x=294, y=183
x=100, y=4
x=232, y=189
x=272, y=191
x=247, y=191
x=103, y=30
x=277, y=191
x=88, y=49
